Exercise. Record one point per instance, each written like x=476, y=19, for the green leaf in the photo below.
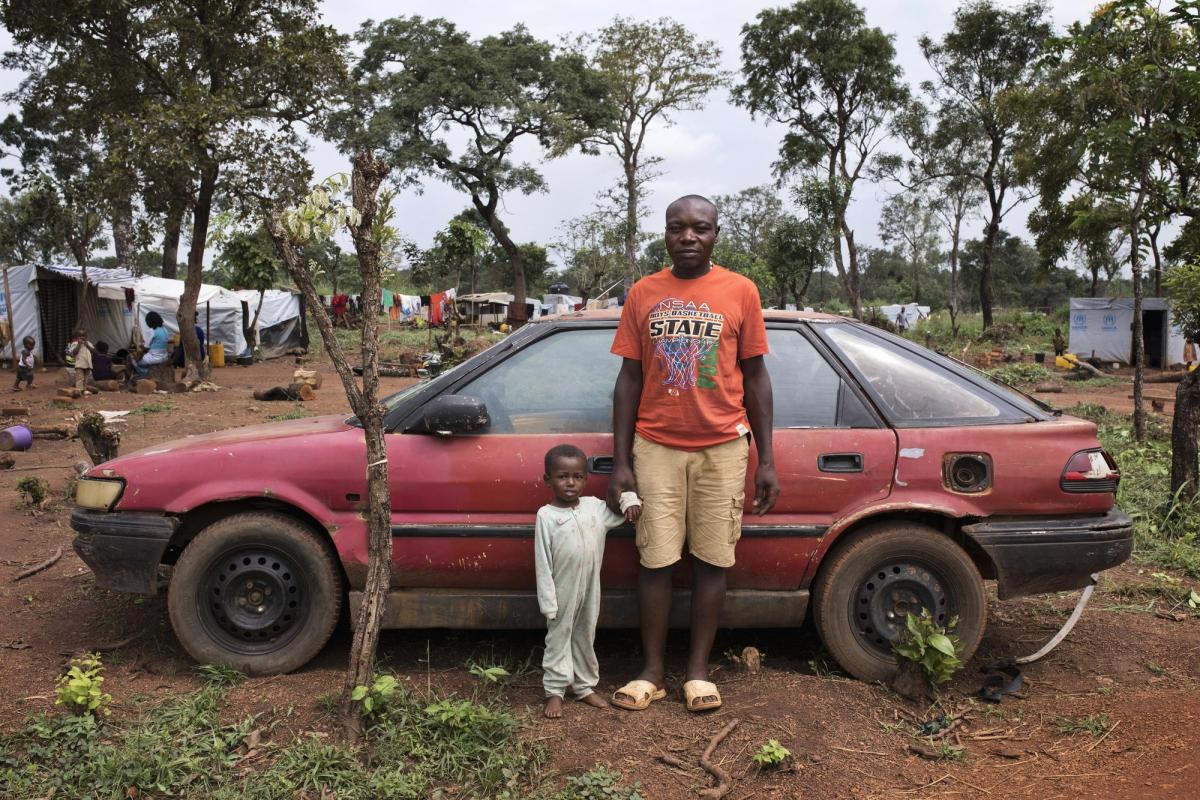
x=359, y=693
x=942, y=643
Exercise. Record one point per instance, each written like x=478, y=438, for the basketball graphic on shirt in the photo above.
x=685, y=336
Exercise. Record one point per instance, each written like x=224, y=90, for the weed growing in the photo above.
x=1095, y=724
x=34, y=491
x=295, y=413
x=771, y=754
x=932, y=647
x=1021, y=374
x=598, y=784
x=153, y=408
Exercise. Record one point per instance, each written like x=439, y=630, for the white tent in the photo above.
x=1103, y=327
x=45, y=305
x=218, y=310
x=911, y=312
x=280, y=322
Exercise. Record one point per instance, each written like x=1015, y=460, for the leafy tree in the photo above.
x=461, y=247
x=817, y=68
x=908, y=222
x=748, y=217
x=250, y=261
x=795, y=249
x=1104, y=123
x=28, y=223
x=456, y=108
x=654, y=69
x=592, y=249
x=980, y=64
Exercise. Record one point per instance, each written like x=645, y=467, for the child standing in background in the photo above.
x=568, y=546
x=25, y=362
x=79, y=351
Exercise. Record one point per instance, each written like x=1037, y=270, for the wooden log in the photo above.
x=52, y=431
x=108, y=386
x=145, y=386
x=163, y=375
x=1166, y=377
x=309, y=376
x=1048, y=388
x=70, y=392
x=14, y=411
x=293, y=391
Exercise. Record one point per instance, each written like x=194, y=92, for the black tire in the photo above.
x=869, y=583
x=259, y=592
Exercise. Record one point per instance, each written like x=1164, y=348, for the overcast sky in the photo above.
x=719, y=150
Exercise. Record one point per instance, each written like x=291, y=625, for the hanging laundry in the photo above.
x=435, y=308
x=410, y=305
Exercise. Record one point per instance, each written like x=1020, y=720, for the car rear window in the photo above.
x=808, y=392
x=914, y=390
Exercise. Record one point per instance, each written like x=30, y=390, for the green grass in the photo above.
x=1095, y=724
x=1022, y=374
x=1165, y=527
x=153, y=408
x=415, y=746
x=295, y=413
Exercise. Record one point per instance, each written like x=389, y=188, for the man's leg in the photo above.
x=654, y=606
x=708, y=595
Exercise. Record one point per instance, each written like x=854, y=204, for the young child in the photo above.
x=79, y=353
x=25, y=362
x=568, y=546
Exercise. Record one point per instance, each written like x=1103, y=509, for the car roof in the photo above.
x=768, y=314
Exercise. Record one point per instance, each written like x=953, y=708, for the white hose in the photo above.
x=1065, y=629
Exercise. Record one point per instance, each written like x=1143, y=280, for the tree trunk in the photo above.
x=1139, y=356
x=367, y=175
x=1185, y=474
x=1095, y=279
x=252, y=331
x=852, y=273
x=1158, y=271
x=955, y=235
x=186, y=314
x=631, y=224
x=172, y=225
x=516, y=311
x=122, y=231
x=985, y=270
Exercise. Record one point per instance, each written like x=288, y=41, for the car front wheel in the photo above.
x=869, y=584
x=259, y=592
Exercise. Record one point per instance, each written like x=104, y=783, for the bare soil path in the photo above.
x=1128, y=674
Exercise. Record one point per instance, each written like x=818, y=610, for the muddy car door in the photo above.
x=463, y=505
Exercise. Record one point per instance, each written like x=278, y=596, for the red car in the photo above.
x=908, y=479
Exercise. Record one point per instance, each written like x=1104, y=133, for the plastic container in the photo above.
x=18, y=437
x=216, y=355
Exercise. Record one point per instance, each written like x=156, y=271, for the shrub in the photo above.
x=771, y=754
x=930, y=646
x=34, y=491
x=79, y=689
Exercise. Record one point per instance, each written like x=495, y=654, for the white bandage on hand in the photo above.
x=629, y=500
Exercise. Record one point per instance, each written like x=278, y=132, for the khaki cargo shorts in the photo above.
x=693, y=497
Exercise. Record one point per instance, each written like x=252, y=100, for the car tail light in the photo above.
x=1090, y=471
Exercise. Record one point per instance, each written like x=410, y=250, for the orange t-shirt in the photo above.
x=691, y=336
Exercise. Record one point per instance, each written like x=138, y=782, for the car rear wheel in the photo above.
x=869, y=584
x=259, y=592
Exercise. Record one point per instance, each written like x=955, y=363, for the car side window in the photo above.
x=913, y=389
x=808, y=392
x=560, y=384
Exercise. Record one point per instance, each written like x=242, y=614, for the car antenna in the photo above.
x=1037, y=401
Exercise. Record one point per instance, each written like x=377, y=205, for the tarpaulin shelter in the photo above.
x=1103, y=327
x=45, y=302
x=218, y=310
x=911, y=313
x=280, y=322
x=492, y=307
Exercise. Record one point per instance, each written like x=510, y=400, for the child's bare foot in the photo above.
x=554, y=707
x=594, y=700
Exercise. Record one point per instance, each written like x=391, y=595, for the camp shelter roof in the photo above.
x=167, y=291
x=1118, y=304
x=278, y=305
x=500, y=298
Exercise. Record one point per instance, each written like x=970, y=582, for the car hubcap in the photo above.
x=887, y=595
x=254, y=599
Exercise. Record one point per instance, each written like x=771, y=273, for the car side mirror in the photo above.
x=449, y=414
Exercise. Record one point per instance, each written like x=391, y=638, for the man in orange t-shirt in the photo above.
x=691, y=389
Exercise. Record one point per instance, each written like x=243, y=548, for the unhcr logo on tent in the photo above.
x=1079, y=322
x=1110, y=322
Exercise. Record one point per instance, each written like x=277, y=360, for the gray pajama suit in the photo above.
x=568, y=546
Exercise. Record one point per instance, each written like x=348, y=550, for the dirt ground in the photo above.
x=1129, y=672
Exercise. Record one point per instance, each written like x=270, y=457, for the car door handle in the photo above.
x=600, y=465
x=840, y=462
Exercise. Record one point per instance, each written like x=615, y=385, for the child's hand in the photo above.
x=632, y=513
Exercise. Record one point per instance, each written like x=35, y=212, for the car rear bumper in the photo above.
x=123, y=549
x=1038, y=555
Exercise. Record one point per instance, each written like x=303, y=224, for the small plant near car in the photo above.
x=70, y=487
x=932, y=647
x=1095, y=724
x=295, y=413
x=771, y=754
x=488, y=676
x=374, y=696
x=80, y=688
x=34, y=491
x=599, y=783
x=1020, y=374
x=463, y=714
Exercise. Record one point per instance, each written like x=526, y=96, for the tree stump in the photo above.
x=163, y=375
x=1185, y=470
x=100, y=441
x=293, y=391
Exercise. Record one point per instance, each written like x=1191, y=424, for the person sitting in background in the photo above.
x=156, y=349
x=177, y=355
x=104, y=368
